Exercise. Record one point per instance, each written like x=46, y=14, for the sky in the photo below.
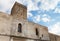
x=43, y=12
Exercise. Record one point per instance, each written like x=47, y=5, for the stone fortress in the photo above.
x=16, y=27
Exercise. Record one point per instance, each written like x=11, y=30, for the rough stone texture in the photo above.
x=54, y=37
x=5, y=24
x=4, y=38
x=9, y=27
x=19, y=11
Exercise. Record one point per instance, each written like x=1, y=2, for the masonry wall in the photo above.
x=58, y=38
x=4, y=38
x=28, y=28
x=42, y=31
x=5, y=24
x=54, y=37
x=19, y=11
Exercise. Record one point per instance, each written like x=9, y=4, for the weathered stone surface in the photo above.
x=5, y=24
x=54, y=37
x=19, y=11
x=4, y=38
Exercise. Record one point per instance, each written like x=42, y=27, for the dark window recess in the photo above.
x=19, y=27
x=42, y=35
x=37, y=33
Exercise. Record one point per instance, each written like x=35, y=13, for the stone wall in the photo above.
x=5, y=23
x=19, y=11
x=29, y=30
x=54, y=37
x=4, y=38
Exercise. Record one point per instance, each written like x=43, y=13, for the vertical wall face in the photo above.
x=54, y=37
x=15, y=25
x=58, y=38
x=43, y=32
x=4, y=38
x=19, y=11
x=31, y=30
x=5, y=24
x=28, y=29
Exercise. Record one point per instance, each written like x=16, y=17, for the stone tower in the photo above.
x=19, y=11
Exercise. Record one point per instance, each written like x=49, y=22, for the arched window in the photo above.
x=20, y=27
x=37, y=33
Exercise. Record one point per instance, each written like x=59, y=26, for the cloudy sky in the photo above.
x=44, y=12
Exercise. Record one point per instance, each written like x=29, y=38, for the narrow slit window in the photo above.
x=37, y=33
x=42, y=35
x=19, y=27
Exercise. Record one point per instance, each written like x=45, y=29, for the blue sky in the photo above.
x=43, y=12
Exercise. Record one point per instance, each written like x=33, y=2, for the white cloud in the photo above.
x=36, y=1
x=29, y=15
x=48, y=4
x=55, y=28
x=32, y=6
x=6, y=5
x=45, y=4
x=57, y=10
x=45, y=15
x=45, y=19
x=36, y=19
